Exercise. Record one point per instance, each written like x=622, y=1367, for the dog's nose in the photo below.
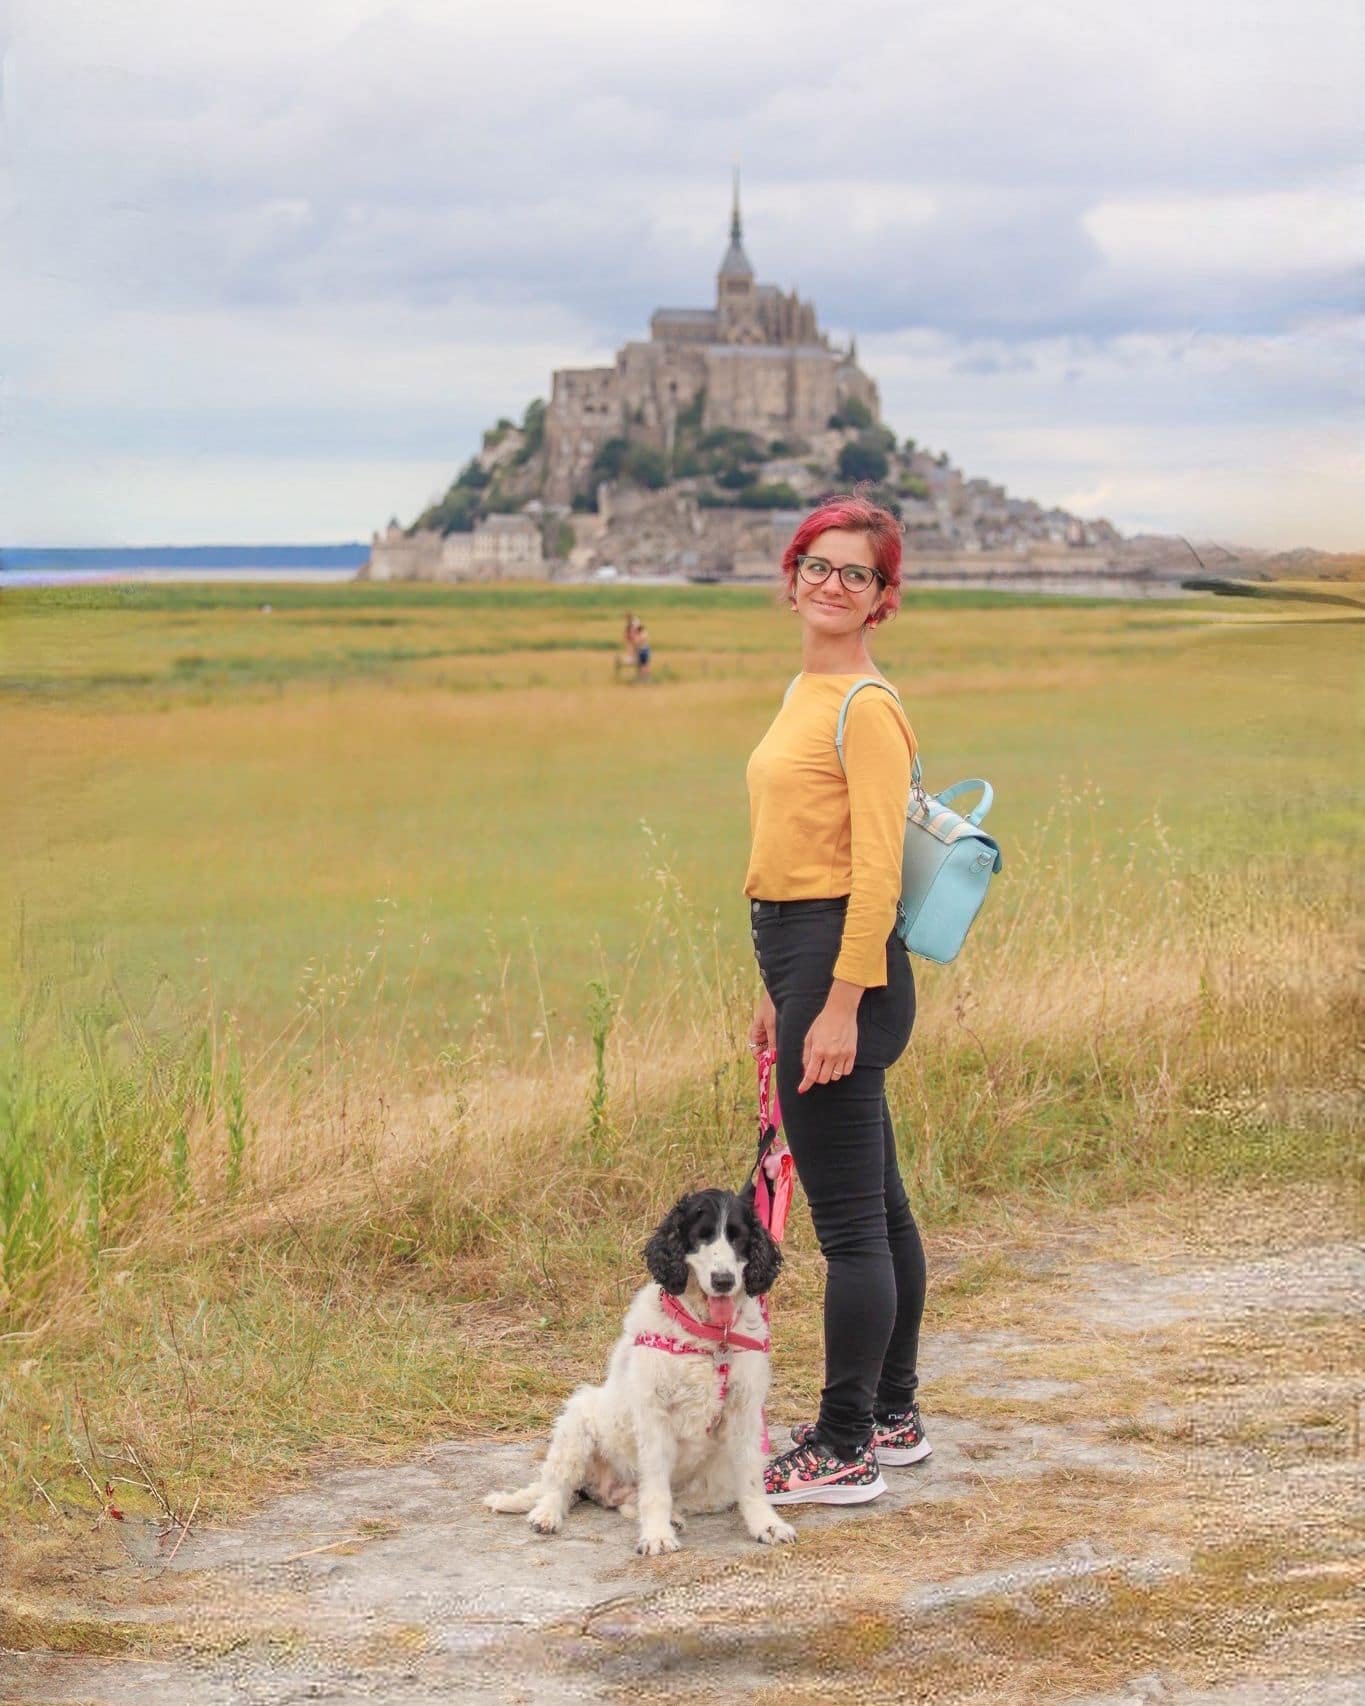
x=722, y=1282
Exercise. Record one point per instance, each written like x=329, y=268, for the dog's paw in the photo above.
x=545, y=1521
x=775, y=1533
x=651, y=1545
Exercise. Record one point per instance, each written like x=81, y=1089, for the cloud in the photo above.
x=1248, y=438
x=1276, y=233
x=341, y=224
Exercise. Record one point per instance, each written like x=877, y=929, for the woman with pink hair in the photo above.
x=838, y=999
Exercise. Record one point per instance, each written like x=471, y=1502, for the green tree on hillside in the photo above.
x=780, y=494
x=646, y=466
x=610, y=459
x=733, y=476
x=457, y=512
x=858, y=461
x=533, y=427
x=689, y=418
x=852, y=413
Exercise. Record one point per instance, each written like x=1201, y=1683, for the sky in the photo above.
x=269, y=267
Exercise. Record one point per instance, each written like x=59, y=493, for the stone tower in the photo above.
x=737, y=319
x=758, y=362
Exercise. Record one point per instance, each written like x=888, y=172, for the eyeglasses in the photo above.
x=856, y=577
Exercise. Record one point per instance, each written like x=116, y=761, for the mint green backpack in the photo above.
x=948, y=860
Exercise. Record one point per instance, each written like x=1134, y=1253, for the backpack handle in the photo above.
x=987, y=797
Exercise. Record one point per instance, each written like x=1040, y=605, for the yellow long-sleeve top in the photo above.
x=819, y=831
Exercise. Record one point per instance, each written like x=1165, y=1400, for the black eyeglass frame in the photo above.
x=830, y=569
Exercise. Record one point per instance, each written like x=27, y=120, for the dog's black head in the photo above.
x=713, y=1234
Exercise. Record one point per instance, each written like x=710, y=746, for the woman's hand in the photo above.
x=763, y=1031
x=832, y=1041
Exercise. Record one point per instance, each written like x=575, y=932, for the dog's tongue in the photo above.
x=721, y=1311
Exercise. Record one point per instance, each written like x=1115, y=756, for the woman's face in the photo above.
x=832, y=608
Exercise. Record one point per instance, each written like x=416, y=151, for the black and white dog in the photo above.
x=678, y=1419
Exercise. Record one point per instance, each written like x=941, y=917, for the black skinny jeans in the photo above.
x=844, y=1148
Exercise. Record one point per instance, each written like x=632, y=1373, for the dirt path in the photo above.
x=1145, y=1452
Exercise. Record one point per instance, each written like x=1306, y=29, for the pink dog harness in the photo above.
x=720, y=1336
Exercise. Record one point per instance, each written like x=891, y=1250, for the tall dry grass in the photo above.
x=1102, y=1030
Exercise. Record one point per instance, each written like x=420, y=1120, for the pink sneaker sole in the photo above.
x=831, y=1494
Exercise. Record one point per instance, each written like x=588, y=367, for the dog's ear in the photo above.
x=748, y=1195
x=666, y=1251
x=765, y=1255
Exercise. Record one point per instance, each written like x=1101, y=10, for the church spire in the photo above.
x=736, y=262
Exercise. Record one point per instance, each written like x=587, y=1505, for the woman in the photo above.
x=838, y=1002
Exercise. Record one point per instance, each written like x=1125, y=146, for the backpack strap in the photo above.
x=792, y=683
x=857, y=687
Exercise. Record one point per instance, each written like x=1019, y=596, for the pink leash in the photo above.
x=775, y=1176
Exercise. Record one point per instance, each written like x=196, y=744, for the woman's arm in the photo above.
x=877, y=759
x=878, y=750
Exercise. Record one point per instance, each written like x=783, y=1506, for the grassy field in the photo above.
x=317, y=912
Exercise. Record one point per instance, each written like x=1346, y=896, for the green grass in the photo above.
x=381, y=960
x=282, y=796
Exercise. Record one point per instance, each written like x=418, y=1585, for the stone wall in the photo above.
x=749, y=387
x=669, y=532
x=502, y=548
x=586, y=409
x=399, y=556
x=657, y=382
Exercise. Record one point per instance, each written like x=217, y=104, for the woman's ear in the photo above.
x=666, y=1251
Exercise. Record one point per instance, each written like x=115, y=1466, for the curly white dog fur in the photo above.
x=670, y=1427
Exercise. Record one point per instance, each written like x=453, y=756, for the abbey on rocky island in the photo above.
x=695, y=453
x=756, y=362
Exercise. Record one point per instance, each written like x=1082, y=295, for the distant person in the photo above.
x=630, y=658
x=641, y=652
x=838, y=998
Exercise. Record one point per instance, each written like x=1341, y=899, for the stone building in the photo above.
x=502, y=547
x=757, y=360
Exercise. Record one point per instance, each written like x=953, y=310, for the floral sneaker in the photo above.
x=897, y=1441
x=810, y=1474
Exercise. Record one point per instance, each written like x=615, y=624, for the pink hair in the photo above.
x=854, y=515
